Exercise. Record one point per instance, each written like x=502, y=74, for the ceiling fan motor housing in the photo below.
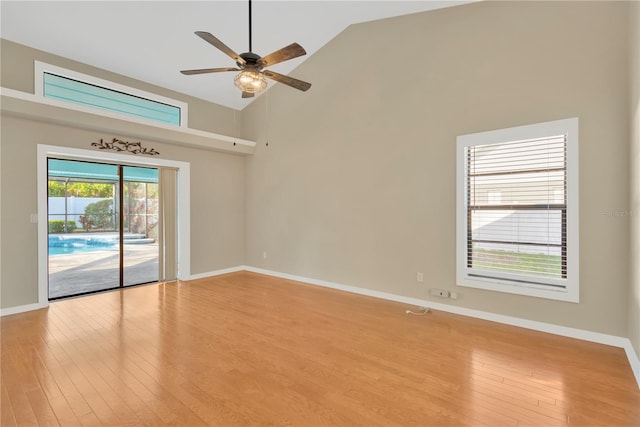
x=251, y=59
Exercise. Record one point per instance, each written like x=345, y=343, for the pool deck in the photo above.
x=72, y=274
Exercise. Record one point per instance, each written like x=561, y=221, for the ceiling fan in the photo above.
x=251, y=78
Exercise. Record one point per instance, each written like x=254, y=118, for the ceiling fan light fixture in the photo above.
x=250, y=81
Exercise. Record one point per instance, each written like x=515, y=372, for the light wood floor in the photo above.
x=245, y=349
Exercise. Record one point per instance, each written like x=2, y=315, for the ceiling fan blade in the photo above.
x=286, y=53
x=207, y=70
x=209, y=38
x=289, y=81
x=248, y=95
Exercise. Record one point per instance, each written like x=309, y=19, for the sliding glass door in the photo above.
x=140, y=225
x=103, y=226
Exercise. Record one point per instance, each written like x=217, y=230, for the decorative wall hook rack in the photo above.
x=130, y=147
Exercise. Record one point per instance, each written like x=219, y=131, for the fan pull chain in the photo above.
x=266, y=103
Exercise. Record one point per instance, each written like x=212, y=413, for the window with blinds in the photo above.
x=515, y=211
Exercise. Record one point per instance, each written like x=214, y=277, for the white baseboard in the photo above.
x=634, y=360
x=612, y=340
x=215, y=273
x=22, y=308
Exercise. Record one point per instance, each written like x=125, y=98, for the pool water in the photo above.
x=61, y=245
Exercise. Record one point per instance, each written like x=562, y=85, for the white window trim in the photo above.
x=568, y=127
x=40, y=68
x=183, y=203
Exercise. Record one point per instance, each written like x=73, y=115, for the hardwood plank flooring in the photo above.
x=245, y=349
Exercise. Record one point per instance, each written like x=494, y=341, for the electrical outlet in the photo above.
x=439, y=293
x=420, y=277
x=264, y=255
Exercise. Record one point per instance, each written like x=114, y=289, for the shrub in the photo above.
x=98, y=215
x=57, y=226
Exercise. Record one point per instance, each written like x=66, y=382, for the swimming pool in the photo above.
x=65, y=244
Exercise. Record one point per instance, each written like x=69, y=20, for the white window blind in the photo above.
x=517, y=210
x=524, y=231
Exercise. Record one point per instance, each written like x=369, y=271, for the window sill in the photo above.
x=26, y=105
x=518, y=288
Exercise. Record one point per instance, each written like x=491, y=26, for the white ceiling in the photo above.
x=153, y=40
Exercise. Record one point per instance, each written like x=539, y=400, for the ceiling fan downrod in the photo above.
x=250, y=50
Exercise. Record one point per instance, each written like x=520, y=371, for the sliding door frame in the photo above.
x=183, y=203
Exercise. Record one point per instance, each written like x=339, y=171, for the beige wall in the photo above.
x=634, y=289
x=217, y=180
x=357, y=184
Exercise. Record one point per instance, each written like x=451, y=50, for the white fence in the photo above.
x=542, y=230
x=75, y=207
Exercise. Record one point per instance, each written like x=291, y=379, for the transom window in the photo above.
x=517, y=210
x=89, y=93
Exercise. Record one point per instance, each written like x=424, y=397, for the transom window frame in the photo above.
x=569, y=290
x=42, y=68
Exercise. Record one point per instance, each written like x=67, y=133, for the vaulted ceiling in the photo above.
x=153, y=40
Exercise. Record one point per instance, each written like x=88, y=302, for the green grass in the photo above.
x=515, y=262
